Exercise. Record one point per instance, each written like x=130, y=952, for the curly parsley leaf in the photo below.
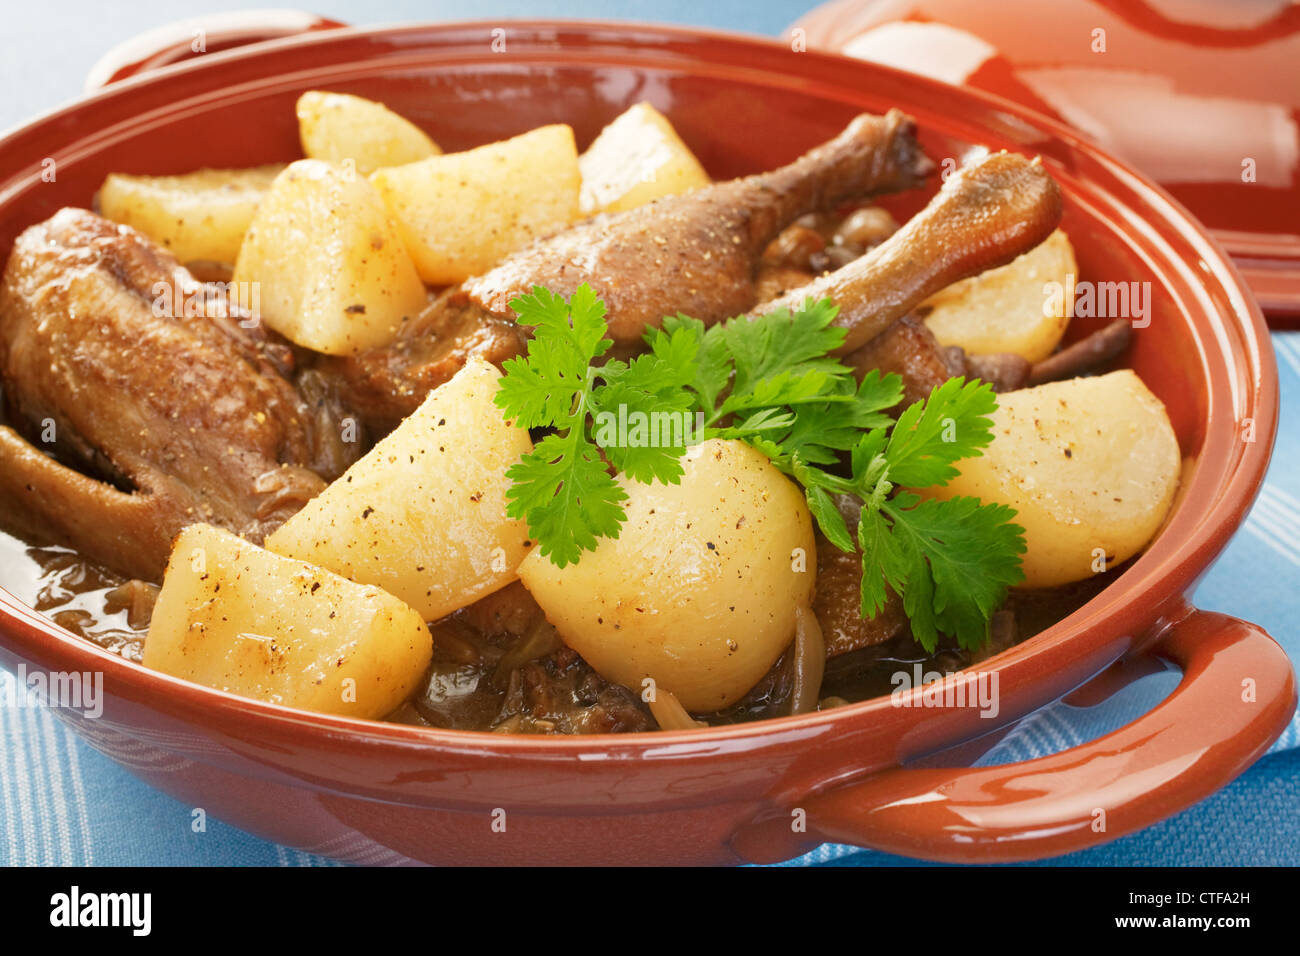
x=952, y=424
x=683, y=339
x=954, y=560
x=951, y=560
x=564, y=492
x=561, y=489
x=641, y=415
x=544, y=387
x=820, y=431
x=784, y=345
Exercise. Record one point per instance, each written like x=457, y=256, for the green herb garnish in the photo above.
x=772, y=382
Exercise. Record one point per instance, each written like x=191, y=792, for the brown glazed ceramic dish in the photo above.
x=374, y=792
x=1202, y=96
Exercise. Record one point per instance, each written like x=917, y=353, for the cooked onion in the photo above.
x=449, y=642
x=808, y=663
x=542, y=639
x=511, y=725
x=136, y=598
x=670, y=713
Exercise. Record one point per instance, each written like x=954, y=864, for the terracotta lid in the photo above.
x=1203, y=96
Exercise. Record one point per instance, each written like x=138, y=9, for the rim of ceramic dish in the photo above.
x=1209, y=512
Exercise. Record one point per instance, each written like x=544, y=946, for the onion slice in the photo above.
x=670, y=713
x=808, y=662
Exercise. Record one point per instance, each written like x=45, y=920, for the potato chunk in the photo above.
x=1008, y=309
x=461, y=213
x=331, y=271
x=236, y=617
x=1091, y=466
x=636, y=159
x=200, y=216
x=699, y=590
x=338, y=127
x=423, y=515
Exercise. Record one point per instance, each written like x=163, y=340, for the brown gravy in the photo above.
x=483, y=678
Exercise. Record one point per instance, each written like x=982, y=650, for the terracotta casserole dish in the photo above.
x=373, y=792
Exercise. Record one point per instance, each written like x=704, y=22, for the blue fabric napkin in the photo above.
x=63, y=803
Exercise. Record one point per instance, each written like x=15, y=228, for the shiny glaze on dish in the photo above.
x=379, y=793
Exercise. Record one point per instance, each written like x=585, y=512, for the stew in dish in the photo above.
x=525, y=440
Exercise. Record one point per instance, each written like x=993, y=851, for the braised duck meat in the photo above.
x=384, y=385
x=1005, y=371
x=1091, y=351
x=146, y=420
x=908, y=349
x=698, y=253
x=986, y=214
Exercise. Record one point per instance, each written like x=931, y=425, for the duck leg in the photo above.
x=698, y=253
x=987, y=213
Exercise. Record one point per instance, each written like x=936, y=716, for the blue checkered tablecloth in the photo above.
x=63, y=803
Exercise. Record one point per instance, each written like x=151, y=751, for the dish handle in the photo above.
x=1237, y=695
x=195, y=36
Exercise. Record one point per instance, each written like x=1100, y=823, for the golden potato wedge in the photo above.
x=699, y=590
x=423, y=514
x=200, y=216
x=636, y=159
x=331, y=271
x=1008, y=309
x=1091, y=466
x=461, y=213
x=236, y=617
x=339, y=127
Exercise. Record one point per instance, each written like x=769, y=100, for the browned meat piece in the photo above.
x=510, y=611
x=795, y=248
x=562, y=694
x=773, y=281
x=1084, y=355
x=159, y=421
x=330, y=424
x=491, y=672
x=838, y=604
x=1005, y=371
x=386, y=384
x=698, y=253
x=838, y=601
x=985, y=215
x=909, y=348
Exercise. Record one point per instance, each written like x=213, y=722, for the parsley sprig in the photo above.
x=773, y=382
x=563, y=488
